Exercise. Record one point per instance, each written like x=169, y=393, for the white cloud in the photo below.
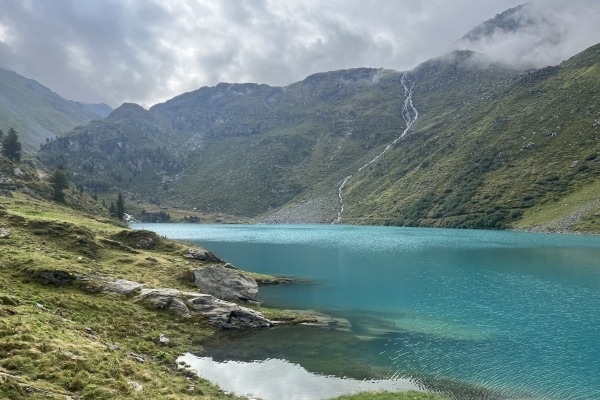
x=147, y=51
x=550, y=31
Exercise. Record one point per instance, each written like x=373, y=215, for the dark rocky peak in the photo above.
x=458, y=60
x=338, y=84
x=211, y=96
x=461, y=71
x=354, y=76
x=509, y=21
x=242, y=89
x=128, y=110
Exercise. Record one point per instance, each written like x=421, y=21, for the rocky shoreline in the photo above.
x=561, y=225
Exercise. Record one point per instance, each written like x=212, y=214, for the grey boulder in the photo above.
x=228, y=315
x=225, y=284
x=57, y=278
x=202, y=255
x=121, y=286
x=166, y=298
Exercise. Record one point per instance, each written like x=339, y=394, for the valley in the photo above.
x=491, y=142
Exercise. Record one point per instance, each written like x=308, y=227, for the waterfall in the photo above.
x=409, y=114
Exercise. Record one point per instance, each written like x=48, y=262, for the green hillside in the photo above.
x=245, y=149
x=36, y=112
x=61, y=334
x=485, y=161
x=490, y=143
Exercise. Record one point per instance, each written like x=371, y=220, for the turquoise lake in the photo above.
x=474, y=314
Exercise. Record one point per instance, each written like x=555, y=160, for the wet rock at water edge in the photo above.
x=202, y=255
x=228, y=315
x=225, y=284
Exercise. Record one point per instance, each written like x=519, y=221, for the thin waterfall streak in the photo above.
x=407, y=108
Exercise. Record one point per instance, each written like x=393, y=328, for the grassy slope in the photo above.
x=245, y=149
x=36, y=112
x=46, y=236
x=468, y=164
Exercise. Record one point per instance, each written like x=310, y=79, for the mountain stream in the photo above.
x=409, y=114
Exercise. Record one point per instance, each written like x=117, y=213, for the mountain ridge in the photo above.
x=37, y=112
x=251, y=150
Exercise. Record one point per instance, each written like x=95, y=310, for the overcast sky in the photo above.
x=147, y=51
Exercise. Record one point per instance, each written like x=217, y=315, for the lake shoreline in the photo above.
x=467, y=335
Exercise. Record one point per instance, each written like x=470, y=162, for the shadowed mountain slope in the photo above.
x=36, y=112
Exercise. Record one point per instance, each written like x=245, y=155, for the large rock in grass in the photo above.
x=121, y=286
x=166, y=298
x=202, y=255
x=225, y=284
x=108, y=285
x=227, y=315
x=57, y=278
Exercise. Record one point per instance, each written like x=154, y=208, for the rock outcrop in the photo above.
x=166, y=298
x=225, y=284
x=121, y=286
x=228, y=315
x=6, y=186
x=221, y=313
x=108, y=285
x=203, y=255
x=32, y=193
x=57, y=278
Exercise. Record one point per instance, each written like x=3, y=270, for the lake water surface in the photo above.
x=474, y=314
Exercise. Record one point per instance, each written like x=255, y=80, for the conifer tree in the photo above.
x=112, y=210
x=11, y=147
x=60, y=181
x=120, y=209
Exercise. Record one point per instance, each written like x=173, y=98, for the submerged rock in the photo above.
x=225, y=284
x=228, y=315
x=326, y=321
